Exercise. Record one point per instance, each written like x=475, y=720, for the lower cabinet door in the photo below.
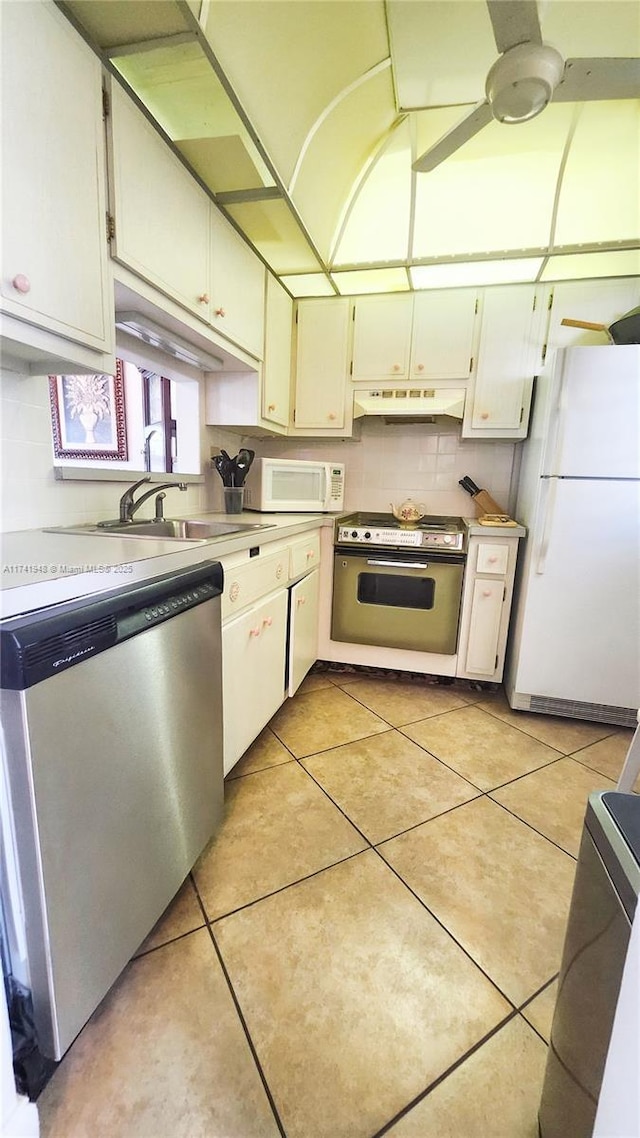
x=303, y=629
x=253, y=660
x=486, y=614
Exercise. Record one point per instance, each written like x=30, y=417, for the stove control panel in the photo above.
x=400, y=538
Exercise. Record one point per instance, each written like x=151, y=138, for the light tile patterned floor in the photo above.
x=369, y=946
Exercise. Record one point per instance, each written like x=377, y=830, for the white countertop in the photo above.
x=41, y=568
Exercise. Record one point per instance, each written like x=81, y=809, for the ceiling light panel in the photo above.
x=288, y=62
x=308, y=284
x=576, y=266
x=358, y=281
x=376, y=223
x=507, y=271
x=496, y=192
x=273, y=230
x=600, y=196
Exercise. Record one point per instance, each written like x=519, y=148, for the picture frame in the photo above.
x=88, y=416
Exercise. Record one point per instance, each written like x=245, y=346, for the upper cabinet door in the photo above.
x=237, y=287
x=321, y=402
x=382, y=337
x=509, y=355
x=161, y=214
x=55, y=263
x=276, y=369
x=443, y=330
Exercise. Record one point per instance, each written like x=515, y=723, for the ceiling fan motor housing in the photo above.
x=522, y=81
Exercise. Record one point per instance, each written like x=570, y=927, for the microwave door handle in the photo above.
x=399, y=564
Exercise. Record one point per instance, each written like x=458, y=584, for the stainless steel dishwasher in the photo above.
x=111, y=711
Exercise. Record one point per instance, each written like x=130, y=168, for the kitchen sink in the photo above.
x=172, y=529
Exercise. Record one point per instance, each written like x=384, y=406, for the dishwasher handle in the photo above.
x=38, y=645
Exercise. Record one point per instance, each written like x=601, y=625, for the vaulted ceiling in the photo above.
x=303, y=118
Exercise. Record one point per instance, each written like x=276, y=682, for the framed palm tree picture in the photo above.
x=88, y=416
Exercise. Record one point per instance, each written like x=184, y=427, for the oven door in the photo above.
x=397, y=599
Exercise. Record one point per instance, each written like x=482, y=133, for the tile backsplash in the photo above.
x=385, y=463
x=388, y=463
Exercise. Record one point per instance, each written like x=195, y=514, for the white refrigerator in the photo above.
x=575, y=640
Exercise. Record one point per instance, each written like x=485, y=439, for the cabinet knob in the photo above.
x=420, y=367
x=302, y=600
x=21, y=283
x=254, y=631
x=271, y=407
x=279, y=572
x=396, y=367
x=492, y=560
x=220, y=312
x=484, y=415
x=310, y=553
x=332, y=415
x=204, y=298
x=486, y=592
x=268, y=621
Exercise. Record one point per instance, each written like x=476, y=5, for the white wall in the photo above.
x=423, y=461
x=30, y=496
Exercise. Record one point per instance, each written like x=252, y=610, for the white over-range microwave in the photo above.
x=287, y=485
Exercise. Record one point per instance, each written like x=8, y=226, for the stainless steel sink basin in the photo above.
x=172, y=529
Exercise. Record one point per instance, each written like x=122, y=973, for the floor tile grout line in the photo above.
x=455, y=940
x=283, y=888
x=444, y=1075
x=535, y=831
x=241, y=1017
x=530, y=736
x=431, y=818
x=534, y=1028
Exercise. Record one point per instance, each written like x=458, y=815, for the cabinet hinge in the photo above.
x=544, y=352
x=470, y=365
x=521, y=414
x=477, y=306
x=495, y=666
x=504, y=593
x=294, y=414
x=111, y=226
x=351, y=368
x=296, y=316
x=353, y=313
x=550, y=304
x=106, y=103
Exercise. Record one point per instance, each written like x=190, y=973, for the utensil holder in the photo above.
x=233, y=499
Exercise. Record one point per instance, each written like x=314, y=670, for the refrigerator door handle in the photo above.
x=547, y=524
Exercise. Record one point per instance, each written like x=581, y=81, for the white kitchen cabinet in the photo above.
x=600, y=302
x=486, y=606
x=56, y=292
x=303, y=628
x=381, y=337
x=509, y=355
x=443, y=334
x=276, y=368
x=237, y=287
x=253, y=663
x=322, y=401
x=162, y=217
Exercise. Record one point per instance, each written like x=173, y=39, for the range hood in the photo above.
x=410, y=403
x=139, y=325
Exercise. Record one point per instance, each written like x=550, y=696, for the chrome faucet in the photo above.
x=128, y=505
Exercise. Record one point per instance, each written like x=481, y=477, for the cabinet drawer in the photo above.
x=304, y=555
x=492, y=559
x=247, y=583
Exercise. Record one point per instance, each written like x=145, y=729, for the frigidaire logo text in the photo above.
x=72, y=656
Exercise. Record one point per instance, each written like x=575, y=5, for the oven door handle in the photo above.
x=400, y=564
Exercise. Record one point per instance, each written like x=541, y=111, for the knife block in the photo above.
x=486, y=504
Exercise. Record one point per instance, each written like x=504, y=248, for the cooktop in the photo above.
x=434, y=531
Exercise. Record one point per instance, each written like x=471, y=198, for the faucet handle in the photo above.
x=159, y=507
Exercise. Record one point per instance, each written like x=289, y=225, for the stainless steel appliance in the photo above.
x=604, y=901
x=111, y=712
x=398, y=586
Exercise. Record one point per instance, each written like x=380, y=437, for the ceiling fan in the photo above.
x=527, y=75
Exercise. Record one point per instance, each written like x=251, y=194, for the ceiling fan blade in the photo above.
x=455, y=138
x=514, y=22
x=585, y=80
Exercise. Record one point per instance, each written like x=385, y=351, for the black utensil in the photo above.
x=243, y=462
x=469, y=485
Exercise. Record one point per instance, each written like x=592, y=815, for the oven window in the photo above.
x=396, y=590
